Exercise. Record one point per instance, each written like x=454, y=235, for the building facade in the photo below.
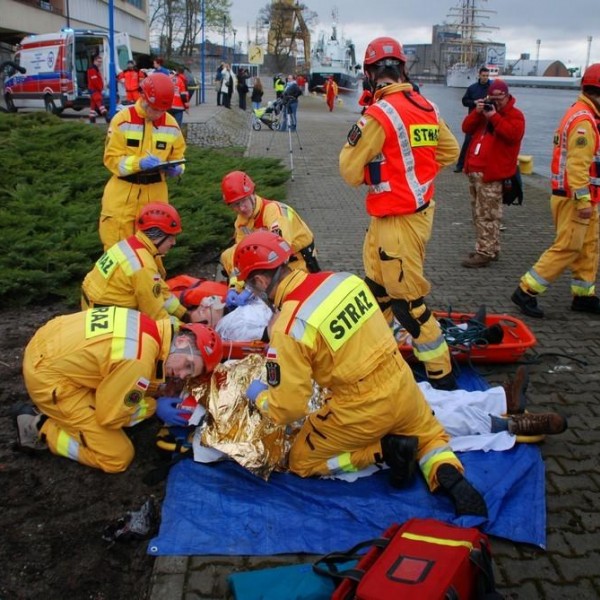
x=26, y=17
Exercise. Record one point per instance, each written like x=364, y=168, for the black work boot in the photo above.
x=527, y=303
x=400, y=455
x=446, y=383
x=467, y=500
x=588, y=304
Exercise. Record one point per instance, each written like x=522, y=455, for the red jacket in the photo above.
x=94, y=79
x=499, y=140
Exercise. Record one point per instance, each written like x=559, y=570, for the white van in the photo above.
x=56, y=67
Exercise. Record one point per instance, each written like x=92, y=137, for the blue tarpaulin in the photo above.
x=223, y=509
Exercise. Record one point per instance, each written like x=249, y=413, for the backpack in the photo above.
x=421, y=559
x=512, y=189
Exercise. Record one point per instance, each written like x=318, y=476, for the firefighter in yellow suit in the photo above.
x=397, y=149
x=131, y=273
x=92, y=373
x=255, y=213
x=139, y=139
x=330, y=329
x=574, y=204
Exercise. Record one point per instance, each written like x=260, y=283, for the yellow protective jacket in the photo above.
x=576, y=154
x=131, y=136
x=331, y=329
x=117, y=352
x=332, y=332
x=397, y=132
x=279, y=218
x=131, y=274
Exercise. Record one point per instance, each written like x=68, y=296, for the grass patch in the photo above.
x=50, y=195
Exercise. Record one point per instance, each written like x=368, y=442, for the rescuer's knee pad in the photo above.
x=404, y=311
x=380, y=293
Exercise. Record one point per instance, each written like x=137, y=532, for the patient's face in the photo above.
x=208, y=315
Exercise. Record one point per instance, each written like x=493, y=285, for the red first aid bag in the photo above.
x=423, y=559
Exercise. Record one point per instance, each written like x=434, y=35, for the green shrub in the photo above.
x=50, y=195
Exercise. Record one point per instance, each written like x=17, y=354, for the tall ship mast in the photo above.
x=468, y=53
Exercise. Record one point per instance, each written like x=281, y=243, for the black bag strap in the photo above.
x=486, y=584
x=328, y=564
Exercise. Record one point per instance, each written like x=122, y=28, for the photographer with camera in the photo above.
x=496, y=128
x=474, y=92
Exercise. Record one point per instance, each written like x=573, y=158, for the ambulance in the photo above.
x=56, y=67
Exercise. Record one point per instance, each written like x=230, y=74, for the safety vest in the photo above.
x=336, y=305
x=300, y=233
x=286, y=211
x=164, y=131
x=279, y=85
x=127, y=328
x=400, y=178
x=577, y=113
x=131, y=79
x=179, y=103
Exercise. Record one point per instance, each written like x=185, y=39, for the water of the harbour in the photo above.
x=543, y=109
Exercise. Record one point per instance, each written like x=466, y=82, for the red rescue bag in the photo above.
x=421, y=559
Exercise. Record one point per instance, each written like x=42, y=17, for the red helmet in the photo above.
x=384, y=48
x=158, y=90
x=236, y=186
x=160, y=215
x=260, y=250
x=208, y=343
x=591, y=76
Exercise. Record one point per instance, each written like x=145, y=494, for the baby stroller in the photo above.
x=270, y=115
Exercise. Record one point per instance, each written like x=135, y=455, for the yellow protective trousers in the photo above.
x=393, y=257
x=575, y=246
x=121, y=204
x=345, y=434
x=72, y=429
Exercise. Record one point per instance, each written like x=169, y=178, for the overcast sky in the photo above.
x=562, y=26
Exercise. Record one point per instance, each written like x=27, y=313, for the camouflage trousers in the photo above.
x=486, y=209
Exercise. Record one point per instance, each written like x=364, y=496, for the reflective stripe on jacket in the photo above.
x=401, y=178
x=131, y=274
x=131, y=137
x=330, y=329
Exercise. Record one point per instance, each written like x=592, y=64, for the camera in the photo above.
x=488, y=106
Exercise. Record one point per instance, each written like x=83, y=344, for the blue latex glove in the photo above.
x=254, y=389
x=149, y=162
x=174, y=171
x=167, y=410
x=233, y=299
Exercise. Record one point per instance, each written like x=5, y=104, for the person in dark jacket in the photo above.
x=496, y=127
x=242, y=87
x=474, y=92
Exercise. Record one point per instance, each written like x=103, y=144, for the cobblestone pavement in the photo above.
x=567, y=569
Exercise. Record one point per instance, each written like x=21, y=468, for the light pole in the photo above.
x=224, y=31
x=112, y=71
x=203, y=56
x=234, y=34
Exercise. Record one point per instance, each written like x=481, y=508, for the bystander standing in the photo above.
x=496, y=127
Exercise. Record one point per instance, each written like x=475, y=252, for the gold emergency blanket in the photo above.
x=239, y=430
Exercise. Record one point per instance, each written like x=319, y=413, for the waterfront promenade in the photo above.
x=567, y=569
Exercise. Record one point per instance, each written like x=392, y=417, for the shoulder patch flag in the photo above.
x=354, y=135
